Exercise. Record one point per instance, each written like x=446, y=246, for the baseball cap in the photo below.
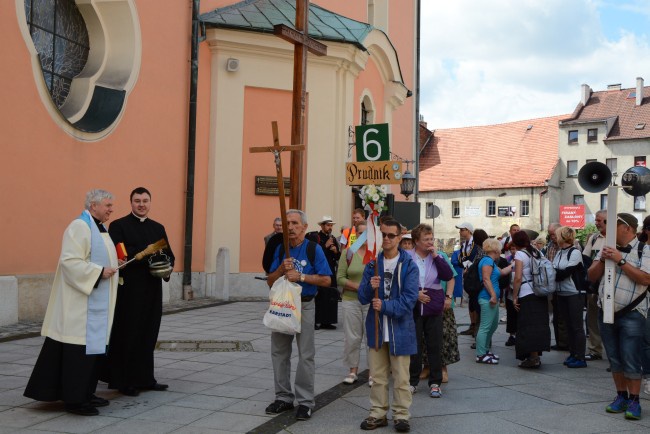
x=628, y=219
x=467, y=226
x=407, y=236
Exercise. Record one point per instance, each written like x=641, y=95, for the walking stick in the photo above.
x=376, y=311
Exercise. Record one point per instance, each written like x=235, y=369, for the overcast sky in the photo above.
x=493, y=61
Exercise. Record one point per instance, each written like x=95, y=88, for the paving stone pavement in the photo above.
x=226, y=392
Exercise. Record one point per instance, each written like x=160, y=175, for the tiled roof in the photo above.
x=262, y=15
x=515, y=154
x=616, y=104
x=425, y=136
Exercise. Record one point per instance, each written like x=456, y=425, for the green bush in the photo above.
x=583, y=234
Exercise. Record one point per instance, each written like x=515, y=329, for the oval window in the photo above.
x=87, y=84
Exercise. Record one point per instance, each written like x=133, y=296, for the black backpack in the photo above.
x=272, y=246
x=471, y=281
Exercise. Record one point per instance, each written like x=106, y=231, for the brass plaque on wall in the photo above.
x=268, y=186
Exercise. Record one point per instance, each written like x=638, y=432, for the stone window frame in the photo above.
x=98, y=95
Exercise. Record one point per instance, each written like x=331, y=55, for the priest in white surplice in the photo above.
x=79, y=313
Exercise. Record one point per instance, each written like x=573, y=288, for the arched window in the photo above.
x=61, y=39
x=367, y=112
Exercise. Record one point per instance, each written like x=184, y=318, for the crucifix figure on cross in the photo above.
x=276, y=150
x=301, y=40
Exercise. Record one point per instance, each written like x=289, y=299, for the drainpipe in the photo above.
x=417, y=104
x=191, y=148
x=541, y=210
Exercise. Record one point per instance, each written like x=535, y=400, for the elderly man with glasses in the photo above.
x=397, y=283
x=624, y=338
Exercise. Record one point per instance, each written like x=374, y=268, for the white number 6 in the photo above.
x=367, y=143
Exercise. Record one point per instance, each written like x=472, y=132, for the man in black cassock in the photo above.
x=327, y=298
x=139, y=302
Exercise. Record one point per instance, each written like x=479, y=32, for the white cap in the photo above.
x=467, y=226
x=326, y=219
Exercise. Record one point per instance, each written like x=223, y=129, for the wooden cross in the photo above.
x=276, y=150
x=300, y=38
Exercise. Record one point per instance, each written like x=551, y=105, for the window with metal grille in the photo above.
x=61, y=40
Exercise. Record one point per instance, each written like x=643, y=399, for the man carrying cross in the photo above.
x=307, y=266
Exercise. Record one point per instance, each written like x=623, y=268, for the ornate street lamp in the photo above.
x=408, y=182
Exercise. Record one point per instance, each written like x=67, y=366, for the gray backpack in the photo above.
x=543, y=274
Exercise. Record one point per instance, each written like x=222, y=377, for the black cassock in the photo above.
x=138, y=309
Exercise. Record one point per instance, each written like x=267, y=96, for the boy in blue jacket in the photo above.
x=397, y=286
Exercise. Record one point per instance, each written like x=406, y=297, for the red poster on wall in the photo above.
x=572, y=216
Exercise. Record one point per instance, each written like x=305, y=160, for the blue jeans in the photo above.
x=487, y=327
x=623, y=341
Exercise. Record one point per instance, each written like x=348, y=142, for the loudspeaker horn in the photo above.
x=594, y=177
x=636, y=181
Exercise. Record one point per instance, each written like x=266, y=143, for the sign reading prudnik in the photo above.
x=572, y=216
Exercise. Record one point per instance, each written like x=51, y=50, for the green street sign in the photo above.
x=372, y=142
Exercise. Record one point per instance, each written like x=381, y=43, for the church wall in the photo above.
x=45, y=172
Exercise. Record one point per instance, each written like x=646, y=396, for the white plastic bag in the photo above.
x=283, y=314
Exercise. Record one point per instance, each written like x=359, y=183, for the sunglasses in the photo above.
x=389, y=236
x=618, y=219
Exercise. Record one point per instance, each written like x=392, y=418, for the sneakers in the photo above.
x=591, y=356
x=303, y=412
x=487, y=359
x=511, y=341
x=413, y=389
x=568, y=360
x=277, y=407
x=618, y=406
x=371, y=423
x=494, y=356
x=402, y=425
x=434, y=391
x=633, y=411
x=577, y=363
x=351, y=378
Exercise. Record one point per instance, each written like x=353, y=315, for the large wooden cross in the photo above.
x=276, y=150
x=301, y=40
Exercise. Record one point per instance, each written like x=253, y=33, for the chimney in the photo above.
x=585, y=93
x=423, y=122
x=639, y=90
x=616, y=86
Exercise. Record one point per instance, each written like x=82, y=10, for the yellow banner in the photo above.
x=373, y=172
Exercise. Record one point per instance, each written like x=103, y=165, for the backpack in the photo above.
x=579, y=275
x=471, y=280
x=271, y=250
x=543, y=274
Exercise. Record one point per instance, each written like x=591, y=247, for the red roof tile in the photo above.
x=493, y=156
x=616, y=103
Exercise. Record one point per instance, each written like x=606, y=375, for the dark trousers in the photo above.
x=559, y=325
x=511, y=317
x=570, y=308
x=431, y=327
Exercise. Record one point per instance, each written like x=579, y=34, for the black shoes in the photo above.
x=129, y=391
x=559, y=348
x=85, y=409
x=96, y=401
x=157, y=387
x=469, y=331
x=277, y=407
x=511, y=341
x=402, y=425
x=303, y=412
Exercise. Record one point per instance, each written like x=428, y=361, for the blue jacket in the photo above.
x=398, y=308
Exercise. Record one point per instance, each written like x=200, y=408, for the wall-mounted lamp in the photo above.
x=408, y=181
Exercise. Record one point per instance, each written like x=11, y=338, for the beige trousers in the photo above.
x=381, y=364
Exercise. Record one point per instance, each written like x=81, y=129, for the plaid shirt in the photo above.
x=551, y=250
x=625, y=289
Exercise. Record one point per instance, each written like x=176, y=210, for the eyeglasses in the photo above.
x=389, y=236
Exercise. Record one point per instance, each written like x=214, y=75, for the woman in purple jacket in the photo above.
x=434, y=269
